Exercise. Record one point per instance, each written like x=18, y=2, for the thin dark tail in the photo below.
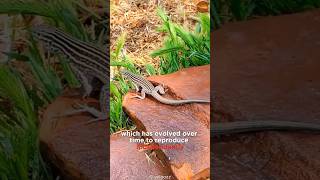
x=252, y=126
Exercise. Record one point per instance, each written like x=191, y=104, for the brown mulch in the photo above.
x=139, y=20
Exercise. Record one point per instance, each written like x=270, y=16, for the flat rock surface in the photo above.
x=268, y=69
x=152, y=116
x=127, y=162
x=79, y=150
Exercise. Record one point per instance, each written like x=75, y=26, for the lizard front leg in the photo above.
x=99, y=115
x=159, y=89
x=104, y=99
x=84, y=80
x=143, y=95
x=104, y=106
x=136, y=87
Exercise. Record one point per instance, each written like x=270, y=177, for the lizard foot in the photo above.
x=103, y=118
x=100, y=116
x=136, y=96
x=80, y=108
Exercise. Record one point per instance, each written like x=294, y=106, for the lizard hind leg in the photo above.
x=160, y=89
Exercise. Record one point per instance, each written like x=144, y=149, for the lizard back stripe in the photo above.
x=41, y=30
x=82, y=60
x=55, y=39
x=87, y=46
x=140, y=81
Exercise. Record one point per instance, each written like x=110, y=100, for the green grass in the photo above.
x=239, y=10
x=20, y=156
x=118, y=87
x=183, y=48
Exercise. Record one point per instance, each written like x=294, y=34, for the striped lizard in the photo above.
x=148, y=88
x=87, y=62
x=218, y=128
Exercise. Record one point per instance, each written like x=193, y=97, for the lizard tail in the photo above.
x=253, y=126
x=177, y=102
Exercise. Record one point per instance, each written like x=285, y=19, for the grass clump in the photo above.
x=118, y=87
x=20, y=156
x=239, y=10
x=182, y=48
x=20, y=99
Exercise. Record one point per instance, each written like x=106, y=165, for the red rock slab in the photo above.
x=225, y=168
x=78, y=150
x=268, y=155
x=150, y=115
x=127, y=162
x=268, y=69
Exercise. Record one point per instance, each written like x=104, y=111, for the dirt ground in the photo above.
x=139, y=20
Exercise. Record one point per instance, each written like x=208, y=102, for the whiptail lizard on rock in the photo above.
x=148, y=88
x=87, y=62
